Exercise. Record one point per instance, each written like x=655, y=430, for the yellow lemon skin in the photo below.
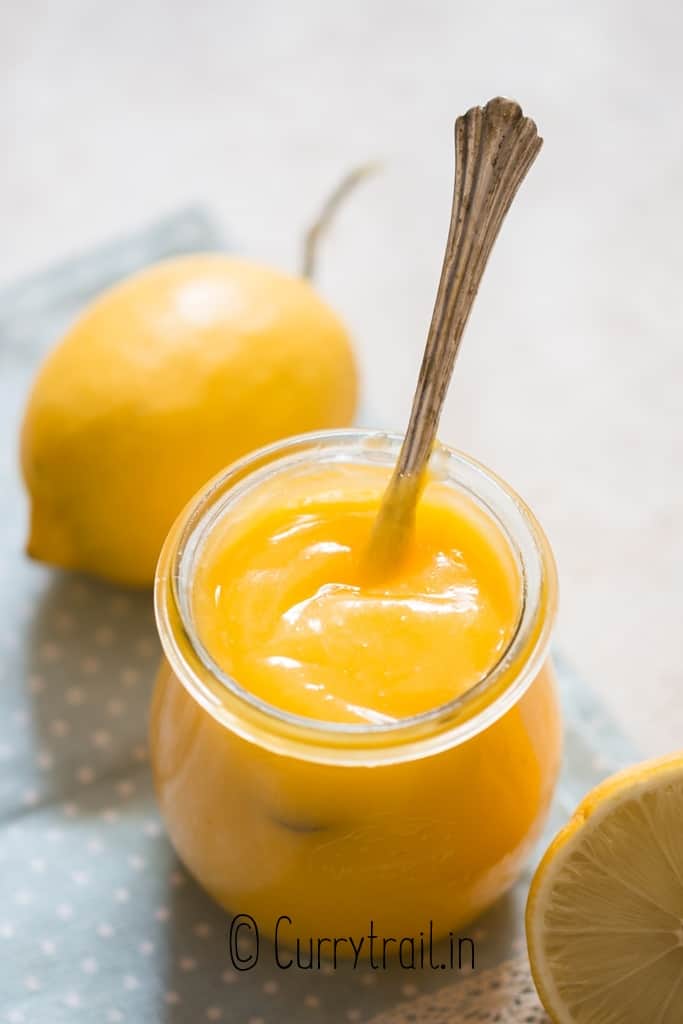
x=163, y=381
x=603, y=799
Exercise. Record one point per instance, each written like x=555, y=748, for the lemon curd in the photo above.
x=341, y=749
x=283, y=603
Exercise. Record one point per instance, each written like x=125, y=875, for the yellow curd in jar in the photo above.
x=280, y=603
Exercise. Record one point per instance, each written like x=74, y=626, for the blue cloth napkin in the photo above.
x=98, y=921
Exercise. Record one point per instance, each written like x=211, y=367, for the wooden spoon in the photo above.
x=494, y=148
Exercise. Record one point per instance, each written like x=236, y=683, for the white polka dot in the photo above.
x=203, y=930
x=115, y=707
x=110, y=815
x=152, y=829
x=44, y=760
x=20, y=717
x=36, y=683
x=6, y=752
x=125, y=788
x=130, y=677
x=89, y=965
x=114, y=1016
x=327, y=970
x=177, y=879
x=85, y=775
x=214, y=1013
x=162, y=914
x=48, y=947
x=172, y=998
x=64, y=620
x=147, y=648
x=75, y=696
x=367, y=979
x=119, y=605
x=104, y=930
x=53, y=835
x=130, y=982
x=23, y=897
x=30, y=798
x=37, y=864
x=72, y=1000
x=187, y=963
x=101, y=738
x=90, y=665
x=15, y=1017
x=271, y=987
x=104, y=636
x=353, y=1014
x=146, y=948
x=65, y=911
x=121, y=895
x=6, y=930
x=49, y=652
x=136, y=862
x=312, y=1002
x=80, y=877
x=58, y=727
x=409, y=990
x=228, y=976
x=256, y=1020
x=94, y=845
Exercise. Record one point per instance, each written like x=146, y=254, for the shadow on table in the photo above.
x=202, y=984
x=91, y=654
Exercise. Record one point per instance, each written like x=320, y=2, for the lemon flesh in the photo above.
x=161, y=383
x=605, y=910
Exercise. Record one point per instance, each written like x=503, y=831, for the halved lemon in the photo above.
x=604, y=917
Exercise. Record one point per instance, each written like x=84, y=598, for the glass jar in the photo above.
x=426, y=819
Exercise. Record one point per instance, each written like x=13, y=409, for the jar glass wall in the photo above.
x=429, y=818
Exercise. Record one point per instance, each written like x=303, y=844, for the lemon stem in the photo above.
x=321, y=224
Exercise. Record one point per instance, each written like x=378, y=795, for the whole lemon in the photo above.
x=163, y=381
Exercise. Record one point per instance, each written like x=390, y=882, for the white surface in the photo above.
x=569, y=383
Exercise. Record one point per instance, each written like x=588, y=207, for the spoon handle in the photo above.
x=494, y=148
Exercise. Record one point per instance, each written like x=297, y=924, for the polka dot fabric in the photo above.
x=98, y=921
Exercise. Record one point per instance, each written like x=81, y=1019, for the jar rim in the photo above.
x=444, y=726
